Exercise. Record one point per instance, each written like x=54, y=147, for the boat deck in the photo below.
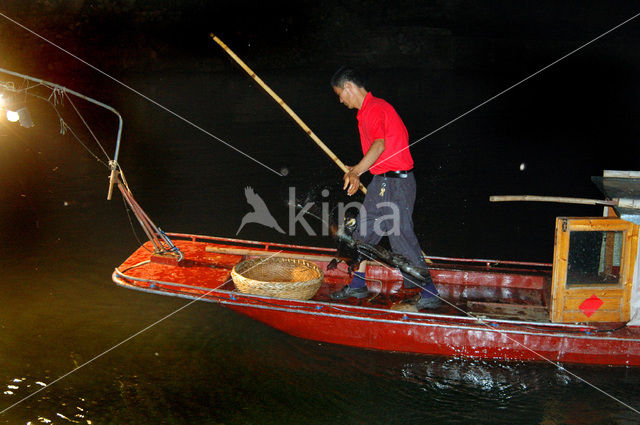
x=491, y=310
x=486, y=289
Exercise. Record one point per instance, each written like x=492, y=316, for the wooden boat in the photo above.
x=574, y=310
x=583, y=308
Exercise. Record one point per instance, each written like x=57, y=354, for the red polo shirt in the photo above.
x=378, y=120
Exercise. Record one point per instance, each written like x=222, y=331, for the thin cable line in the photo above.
x=86, y=125
x=512, y=86
x=142, y=95
x=479, y=106
x=65, y=127
x=492, y=329
x=127, y=339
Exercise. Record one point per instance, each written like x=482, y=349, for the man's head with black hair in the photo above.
x=348, y=84
x=347, y=74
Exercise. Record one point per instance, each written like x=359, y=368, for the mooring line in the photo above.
x=141, y=95
x=514, y=85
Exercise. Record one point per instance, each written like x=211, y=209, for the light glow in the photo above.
x=13, y=116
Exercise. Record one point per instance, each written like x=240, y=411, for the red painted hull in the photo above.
x=372, y=324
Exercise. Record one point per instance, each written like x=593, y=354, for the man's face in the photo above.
x=346, y=95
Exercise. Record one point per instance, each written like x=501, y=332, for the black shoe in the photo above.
x=348, y=292
x=430, y=303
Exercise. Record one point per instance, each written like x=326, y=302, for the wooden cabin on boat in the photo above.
x=595, y=265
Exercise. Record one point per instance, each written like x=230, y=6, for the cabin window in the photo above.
x=594, y=258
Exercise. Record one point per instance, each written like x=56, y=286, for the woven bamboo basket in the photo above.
x=278, y=277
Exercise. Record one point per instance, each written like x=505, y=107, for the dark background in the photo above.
x=433, y=60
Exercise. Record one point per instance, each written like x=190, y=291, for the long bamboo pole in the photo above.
x=293, y=115
x=286, y=107
x=560, y=199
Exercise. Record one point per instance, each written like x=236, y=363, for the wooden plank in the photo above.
x=560, y=255
x=604, y=224
x=536, y=313
x=598, y=316
x=258, y=252
x=621, y=174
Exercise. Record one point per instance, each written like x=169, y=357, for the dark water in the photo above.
x=60, y=239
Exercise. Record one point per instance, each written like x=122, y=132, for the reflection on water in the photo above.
x=47, y=408
x=502, y=380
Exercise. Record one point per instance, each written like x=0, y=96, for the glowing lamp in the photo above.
x=16, y=109
x=13, y=116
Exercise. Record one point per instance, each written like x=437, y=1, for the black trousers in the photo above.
x=388, y=211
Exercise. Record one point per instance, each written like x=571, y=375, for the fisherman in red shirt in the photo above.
x=388, y=205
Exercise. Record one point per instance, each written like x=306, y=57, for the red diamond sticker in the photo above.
x=590, y=305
